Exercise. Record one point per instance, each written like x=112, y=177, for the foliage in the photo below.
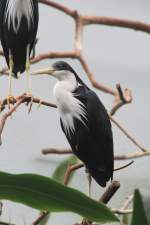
x=59, y=174
x=140, y=214
x=44, y=193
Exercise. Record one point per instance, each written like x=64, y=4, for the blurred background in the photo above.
x=114, y=55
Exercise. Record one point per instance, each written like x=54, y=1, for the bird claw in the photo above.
x=10, y=100
x=1, y=106
x=30, y=102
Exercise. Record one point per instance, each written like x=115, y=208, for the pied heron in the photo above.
x=18, y=28
x=84, y=120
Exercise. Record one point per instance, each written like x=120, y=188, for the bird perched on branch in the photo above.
x=84, y=120
x=18, y=28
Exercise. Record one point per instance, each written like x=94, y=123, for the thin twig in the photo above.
x=26, y=99
x=70, y=169
x=9, y=113
x=133, y=155
x=121, y=99
x=41, y=217
x=1, y=208
x=122, y=211
x=127, y=133
x=127, y=202
x=56, y=151
x=60, y=7
x=100, y=20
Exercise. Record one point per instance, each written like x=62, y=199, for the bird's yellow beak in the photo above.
x=49, y=70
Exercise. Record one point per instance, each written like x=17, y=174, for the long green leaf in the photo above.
x=59, y=174
x=139, y=215
x=146, y=204
x=46, y=194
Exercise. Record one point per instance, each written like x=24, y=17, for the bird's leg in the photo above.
x=69, y=170
x=28, y=78
x=11, y=64
x=28, y=70
x=89, y=181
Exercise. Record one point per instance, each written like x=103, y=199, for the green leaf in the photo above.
x=43, y=193
x=59, y=174
x=60, y=171
x=139, y=215
x=146, y=203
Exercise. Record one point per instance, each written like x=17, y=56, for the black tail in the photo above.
x=18, y=69
x=101, y=176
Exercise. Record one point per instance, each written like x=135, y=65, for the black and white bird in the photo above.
x=84, y=120
x=18, y=29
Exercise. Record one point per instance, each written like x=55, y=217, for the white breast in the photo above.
x=68, y=106
x=15, y=9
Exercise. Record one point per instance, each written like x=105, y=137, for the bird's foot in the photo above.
x=30, y=98
x=10, y=100
x=1, y=106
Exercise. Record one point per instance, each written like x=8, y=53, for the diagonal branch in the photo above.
x=10, y=112
x=59, y=7
x=40, y=218
x=127, y=134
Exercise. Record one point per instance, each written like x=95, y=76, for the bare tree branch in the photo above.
x=56, y=151
x=41, y=217
x=133, y=155
x=110, y=191
x=26, y=99
x=1, y=208
x=127, y=134
x=9, y=113
x=121, y=99
x=128, y=156
x=117, y=22
x=122, y=211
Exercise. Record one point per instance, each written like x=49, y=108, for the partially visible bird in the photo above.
x=84, y=120
x=18, y=29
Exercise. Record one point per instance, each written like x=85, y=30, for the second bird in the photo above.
x=18, y=28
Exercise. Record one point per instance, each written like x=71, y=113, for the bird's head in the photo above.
x=60, y=70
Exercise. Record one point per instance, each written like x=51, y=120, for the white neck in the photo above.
x=15, y=9
x=68, y=106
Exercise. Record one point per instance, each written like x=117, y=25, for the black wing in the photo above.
x=93, y=142
x=2, y=9
x=35, y=26
x=101, y=131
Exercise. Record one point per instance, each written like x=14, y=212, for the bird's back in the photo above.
x=92, y=140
